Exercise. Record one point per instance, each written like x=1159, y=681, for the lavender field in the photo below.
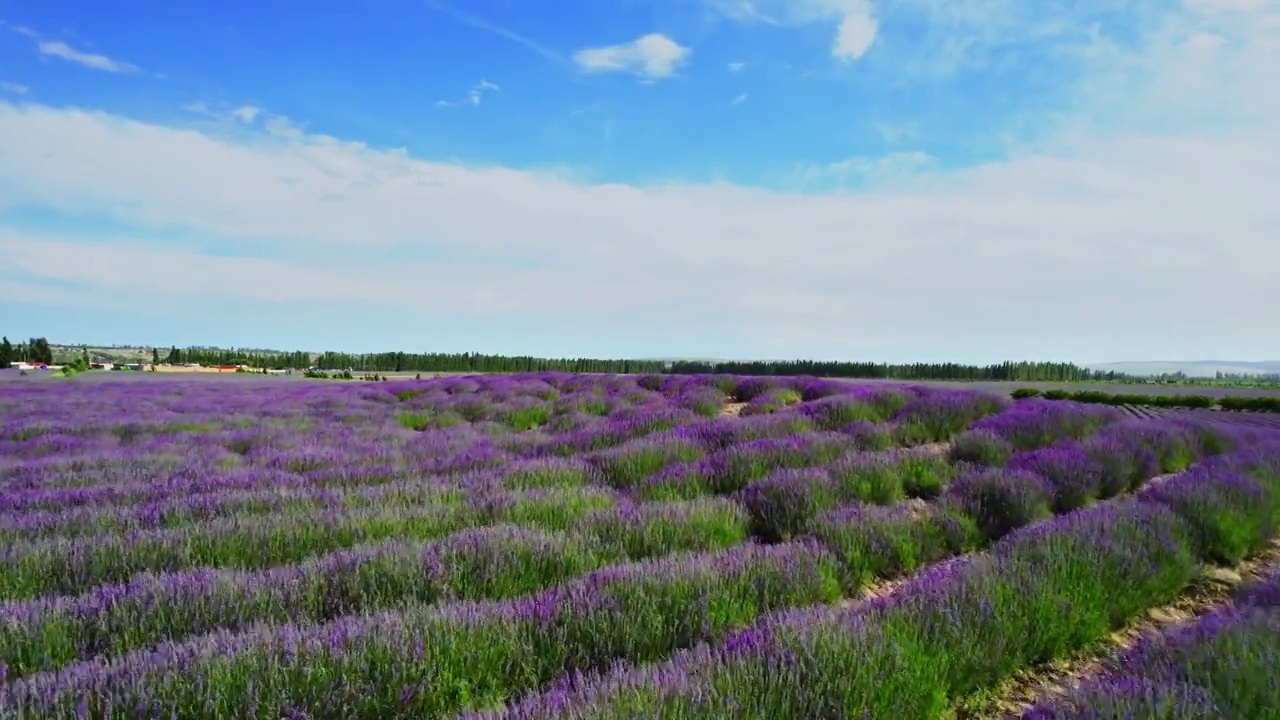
x=607, y=547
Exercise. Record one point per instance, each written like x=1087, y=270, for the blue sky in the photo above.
x=917, y=179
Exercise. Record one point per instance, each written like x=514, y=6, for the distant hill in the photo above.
x=1191, y=368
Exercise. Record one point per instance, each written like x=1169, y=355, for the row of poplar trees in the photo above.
x=35, y=350
x=38, y=350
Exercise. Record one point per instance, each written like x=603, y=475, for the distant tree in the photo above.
x=7, y=354
x=155, y=356
x=175, y=356
x=40, y=351
x=84, y=357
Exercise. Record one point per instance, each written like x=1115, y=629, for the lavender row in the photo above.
x=70, y=565
x=181, y=510
x=980, y=505
x=254, y=459
x=1174, y=444
x=957, y=630
x=855, y=507
x=278, y=491
x=1221, y=665
x=436, y=661
x=341, y=463
x=1001, y=496
x=1033, y=423
x=643, y=466
x=721, y=456
x=786, y=503
x=493, y=562
x=509, y=404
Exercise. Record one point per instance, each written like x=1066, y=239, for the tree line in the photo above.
x=1023, y=371
x=406, y=362
x=37, y=349
x=34, y=350
x=477, y=362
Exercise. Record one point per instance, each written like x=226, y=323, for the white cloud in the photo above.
x=739, y=99
x=898, y=132
x=881, y=172
x=653, y=56
x=14, y=88
x=1221, y=6
x=246, y=113
x=855, y=20
x=1109, y=240
x=856, y=32
x=59, y=49
x=474, y=96
x=735, y=66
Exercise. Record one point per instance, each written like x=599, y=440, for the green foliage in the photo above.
x=419, y=421
x=1097, y=397
x=1023, y=371
x=1255, y=404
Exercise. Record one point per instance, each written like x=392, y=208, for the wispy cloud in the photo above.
x=59, y=49
x=63, y=51
x=480, y=23
x=275, y=125
x=739, y=99
x=653, y=56
x=735, y=66
x=855, y=20
x=14, y=88
x=246, y=113
x=474, y=97
x=897, y=132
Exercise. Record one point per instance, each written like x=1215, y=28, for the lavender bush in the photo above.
x=1000, y=501
x=981, y=447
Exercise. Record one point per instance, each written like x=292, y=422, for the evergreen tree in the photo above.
x=7, y=354
x=155, y=356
